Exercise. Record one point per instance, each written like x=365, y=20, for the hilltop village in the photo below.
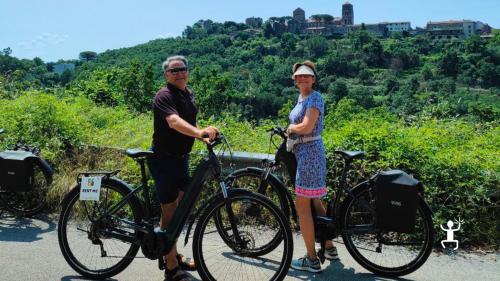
x=328, y=25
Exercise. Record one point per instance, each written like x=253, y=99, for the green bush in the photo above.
x=457, y=162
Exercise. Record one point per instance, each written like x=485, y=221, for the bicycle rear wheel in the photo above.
x=217, y=259
x=84, y=241
x=385, y=253
x=31, y=202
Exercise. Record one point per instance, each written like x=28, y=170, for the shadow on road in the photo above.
x=337, y=271
x=16, y=229
x=75, y=277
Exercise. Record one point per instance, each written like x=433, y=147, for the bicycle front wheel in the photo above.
x=86, y=243
x=217, y=259
x=385, y=253
x=252, y=180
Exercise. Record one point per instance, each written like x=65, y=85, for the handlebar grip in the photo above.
x=205, y=136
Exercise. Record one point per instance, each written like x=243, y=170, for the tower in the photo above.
x=299, y=15
x=347, y=14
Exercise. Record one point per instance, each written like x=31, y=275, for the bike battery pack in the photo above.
x=396, y=201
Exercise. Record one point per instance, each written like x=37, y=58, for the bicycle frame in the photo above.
x=208, y=167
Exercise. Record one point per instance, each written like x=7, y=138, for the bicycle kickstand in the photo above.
x=161, y=263
x=321, y=251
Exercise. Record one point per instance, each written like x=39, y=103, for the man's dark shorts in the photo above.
x=170, y=174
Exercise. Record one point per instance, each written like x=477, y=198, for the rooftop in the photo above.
x=449, y=21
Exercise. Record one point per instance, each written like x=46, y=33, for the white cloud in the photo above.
x=43, y=40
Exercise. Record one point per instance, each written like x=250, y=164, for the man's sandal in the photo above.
x=176, y=274
x=185, y=263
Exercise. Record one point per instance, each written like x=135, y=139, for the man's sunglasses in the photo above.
x=177, y=70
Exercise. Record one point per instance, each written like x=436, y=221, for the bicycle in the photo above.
x=101, y=238
x=351, y=214
x=24, y=180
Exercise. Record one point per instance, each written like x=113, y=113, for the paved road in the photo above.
x=29, y=251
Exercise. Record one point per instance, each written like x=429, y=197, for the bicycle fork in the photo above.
x=227, y=202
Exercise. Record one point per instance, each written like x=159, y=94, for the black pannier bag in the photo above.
x=396, y=200
x=16, y=170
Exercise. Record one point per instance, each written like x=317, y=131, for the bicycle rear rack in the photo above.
x=104, y=174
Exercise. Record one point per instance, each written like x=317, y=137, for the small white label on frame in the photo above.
x=90, y=188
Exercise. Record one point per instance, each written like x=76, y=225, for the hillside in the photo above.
x=428, y=107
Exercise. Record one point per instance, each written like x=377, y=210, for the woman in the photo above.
x=306, y=121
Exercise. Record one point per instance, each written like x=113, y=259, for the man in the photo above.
x=174, y=132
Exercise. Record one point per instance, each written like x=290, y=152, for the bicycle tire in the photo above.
x=30, y=203
x=70, y=206
x=250, y=180
x=207, y=263
x=399, y=263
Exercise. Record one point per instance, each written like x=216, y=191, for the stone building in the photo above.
x=299, y=15
x=347, y=14
x=254, y=22
x=397, y=26
x=61, y=67
x=325, y=24
x=455, y=29
x=377, y=29
x=300, y=25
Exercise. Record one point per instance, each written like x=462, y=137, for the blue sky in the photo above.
x=61, y=29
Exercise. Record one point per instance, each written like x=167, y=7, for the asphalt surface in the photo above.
x=29, y=250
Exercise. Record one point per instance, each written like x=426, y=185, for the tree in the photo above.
x=489, y=75
x=374, y=54
x=288, y=43
x=426, y=72
x=66, y=77
x=337, y=90
x=365, y=76
x=138, y=86
x=449, y=64
x=7, y=51
x=317, y=45
x=87, y=56
x=38, y=61
x=268, y=30
x=360, y=38
x=391, y=84
x=474, y=44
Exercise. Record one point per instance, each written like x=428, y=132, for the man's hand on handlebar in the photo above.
x=208, y=134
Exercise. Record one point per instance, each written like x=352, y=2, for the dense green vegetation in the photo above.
x=430, y=108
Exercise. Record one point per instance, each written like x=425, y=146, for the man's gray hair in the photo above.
x=165, y=64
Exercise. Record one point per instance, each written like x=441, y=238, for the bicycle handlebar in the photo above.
x=277, y=131
x=219, y=137
x=22, y=146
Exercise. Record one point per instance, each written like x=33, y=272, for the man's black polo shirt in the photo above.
x=171, y=100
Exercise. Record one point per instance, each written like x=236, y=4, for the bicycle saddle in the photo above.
x=137, y=152
x=350, y=155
